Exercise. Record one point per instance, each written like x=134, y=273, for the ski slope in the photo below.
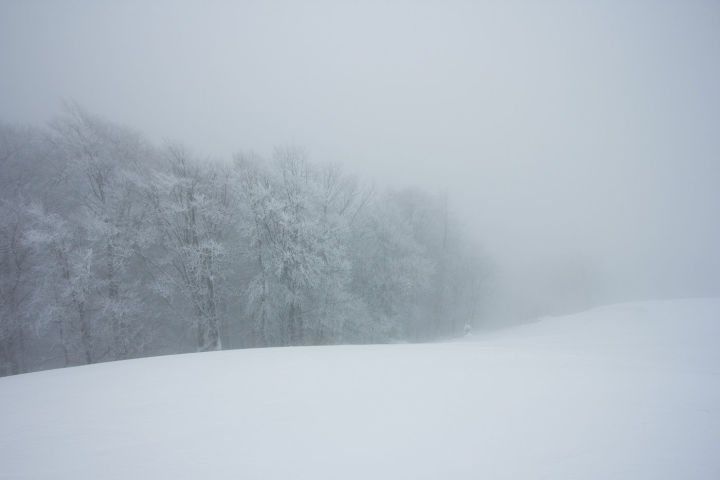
x=629, y=391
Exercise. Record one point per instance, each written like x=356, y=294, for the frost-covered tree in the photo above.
x=193, y=208
x=455, y=284
x=65, y=294
x=24, y=175
x=108, y=167
x=284, y=238
x=337, y=311
x=14, y=286
x=390, y=270
x=301, y=252
x=297, y=218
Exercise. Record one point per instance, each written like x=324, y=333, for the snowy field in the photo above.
x=629, y=391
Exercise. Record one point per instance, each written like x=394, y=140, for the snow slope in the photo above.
x=630, y=391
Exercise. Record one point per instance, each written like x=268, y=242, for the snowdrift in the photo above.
x=629, y=391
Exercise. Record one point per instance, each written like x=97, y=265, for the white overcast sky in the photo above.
x=557, y=127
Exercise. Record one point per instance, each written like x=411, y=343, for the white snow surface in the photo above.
x=629, y=391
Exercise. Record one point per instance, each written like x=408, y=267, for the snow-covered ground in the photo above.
x=629, y=391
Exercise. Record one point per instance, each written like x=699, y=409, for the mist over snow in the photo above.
x=567, y=136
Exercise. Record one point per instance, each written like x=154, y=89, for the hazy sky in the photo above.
x=560, y=129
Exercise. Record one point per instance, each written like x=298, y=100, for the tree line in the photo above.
x=114, y=248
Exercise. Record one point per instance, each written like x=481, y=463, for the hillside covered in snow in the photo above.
x=628, y=391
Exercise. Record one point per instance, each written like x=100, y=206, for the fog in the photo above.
x=578, y=141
